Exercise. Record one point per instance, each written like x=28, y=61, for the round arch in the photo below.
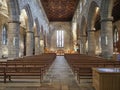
x=14, y=10
x=92, y=15
x=37, y=26
x=92, y=26
x=30, y=17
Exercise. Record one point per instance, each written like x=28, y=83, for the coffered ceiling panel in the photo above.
x=59, y=10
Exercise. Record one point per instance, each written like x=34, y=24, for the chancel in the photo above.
x=59, y=44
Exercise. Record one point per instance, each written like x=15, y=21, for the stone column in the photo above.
x=29, y=43
x=13, y=39
x=78, y=44
x=41, y=43
x=37, y=45
x=13, y=29
x=83, y=41
x=0, y=40
x=107, y=37
x=91, y=42
x=48, y=41
x=41, y=46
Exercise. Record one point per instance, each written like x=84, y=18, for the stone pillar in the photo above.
x=91, y=42
x=83, y=41
x=13, y=29
x=29, y=43
x=48, y=41
x=37, y=45
x=21, y=43
x=78, y=45
x=41, y=43
x=41, y=46
x=0, y=41
x=107, y=37
x=13, y=39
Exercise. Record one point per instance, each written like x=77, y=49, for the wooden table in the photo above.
x=106, y=78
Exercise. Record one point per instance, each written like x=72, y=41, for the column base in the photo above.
x=107, y=56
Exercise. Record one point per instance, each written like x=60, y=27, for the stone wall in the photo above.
x=36, y=10
x=89, y=11
x=3, y=48
x=66, y=27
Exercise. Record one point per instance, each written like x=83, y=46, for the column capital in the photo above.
x=28, y=31
x=107, y=19
x=14, y=21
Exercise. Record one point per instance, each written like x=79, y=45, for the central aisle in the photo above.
x=60, y=76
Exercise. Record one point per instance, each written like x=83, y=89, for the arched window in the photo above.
x=60, y=38
x=115, y=35
x=4, y=35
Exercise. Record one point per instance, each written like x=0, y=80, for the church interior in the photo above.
x=59, y=44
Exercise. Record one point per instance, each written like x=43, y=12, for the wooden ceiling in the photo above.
x=60, y=10
x=116, y=10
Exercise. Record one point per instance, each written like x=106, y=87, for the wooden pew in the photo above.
x=27, y=66
x=80, y=63
x=22, y=71
x=2, y=71
x=84, y=73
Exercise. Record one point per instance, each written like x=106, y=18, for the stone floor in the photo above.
x=58, y=77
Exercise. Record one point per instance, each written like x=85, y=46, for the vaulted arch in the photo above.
x=37, y=31
x=13, y=10
x=29, y=14
x=93, y=14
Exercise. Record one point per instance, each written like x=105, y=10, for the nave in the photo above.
x=58, y=77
